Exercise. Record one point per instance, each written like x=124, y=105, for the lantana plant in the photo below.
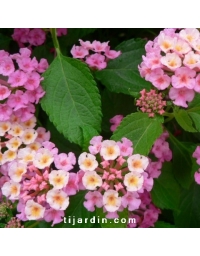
x=99, y=128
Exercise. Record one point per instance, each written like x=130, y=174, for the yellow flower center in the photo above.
x=87, y=162
x=137, y=164
x=110, y=150
x=13, y=190
x=35, y=211
x=59, y=180
x=59, y=199
x=133, y=181
x=111, y=200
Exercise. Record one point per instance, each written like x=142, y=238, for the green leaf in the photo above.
x=182, y=163
x=163, y=224
x=184, y=120
x=76, y=215
x=196, y=119
x=88, y=134
x=121, y=74
x=72, y=99
x=166, y=192
x=141, y=130
x=188, y=215
x=194, y=106
x=120, y=222
x=59, y=140
x=194, y=111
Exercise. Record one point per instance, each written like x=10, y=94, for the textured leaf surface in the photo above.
x=188, y=215
x=194, y=111
x=141, y=130
x=121, y=74
x=72, y=99
x=184, y=120
x=182, y=163
x=166, y=192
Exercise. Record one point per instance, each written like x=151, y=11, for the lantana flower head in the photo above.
x=116, y=174
x=20, y=84
x=28, y=174
x=151, y=102
x=95, y=54
x=172, y=64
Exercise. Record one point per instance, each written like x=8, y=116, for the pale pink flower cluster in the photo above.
x=114, y=176
x=20, y=84
x=95, y=54
x=33, y=173
x=147, y=213
x=196, y=155
x=172, y=62
x=151, y=102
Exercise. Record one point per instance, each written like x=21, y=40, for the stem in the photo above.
x=168, y=114
x=55, y=40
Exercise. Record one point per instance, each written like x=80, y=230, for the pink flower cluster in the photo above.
x=172, y=62
x=115, y=177
x=196, y=155
x=146, y=215
x=95, y=54
x=28, y=175
x=33, y=37
x=161, y=149
x=162, y=152
x=151, y=102
x=20, y=84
